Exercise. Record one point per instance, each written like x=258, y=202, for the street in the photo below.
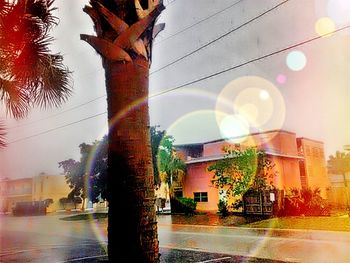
x=48, y=239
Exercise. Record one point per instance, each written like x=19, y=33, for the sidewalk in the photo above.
x=237, y=223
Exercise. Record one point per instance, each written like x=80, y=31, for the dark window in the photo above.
x=178, y=192
x=201, y=196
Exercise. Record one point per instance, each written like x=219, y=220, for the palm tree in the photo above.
x=171, y=168
x=30, y=75
x=124, y=33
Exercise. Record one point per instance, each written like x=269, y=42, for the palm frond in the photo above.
x=42, y=9
x=14, y=97
x=55, y=83
x=31, y=74
x=2, y=136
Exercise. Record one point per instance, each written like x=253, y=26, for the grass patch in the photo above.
x=306, y=223
x=85, y=217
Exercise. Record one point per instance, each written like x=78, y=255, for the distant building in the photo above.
x=37, y=188
x=299, y=163
x=340, y=190
x=13, y=191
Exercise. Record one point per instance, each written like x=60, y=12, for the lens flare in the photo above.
x=338, y=11
x=296, y=60
x=253, y=99
x=281, y=79
x=324, y=26
x=264, y=95
x=196, y=126
x=234, y=128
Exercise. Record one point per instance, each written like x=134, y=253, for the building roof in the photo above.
x=222, y=156
x=220, y=140
x=308, y=139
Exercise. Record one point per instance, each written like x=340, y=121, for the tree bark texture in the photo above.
x=132, y=226
x=125, y=31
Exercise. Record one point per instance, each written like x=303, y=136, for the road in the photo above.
x=48, y=239
x=290, y=246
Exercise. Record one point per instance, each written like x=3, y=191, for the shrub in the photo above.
x=305, y=202
x=183, y=205
x=237, y=204
x=222, y=207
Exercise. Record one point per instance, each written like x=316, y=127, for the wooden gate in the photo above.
x=259, y=203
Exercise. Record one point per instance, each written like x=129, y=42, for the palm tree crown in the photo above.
x=29, y=73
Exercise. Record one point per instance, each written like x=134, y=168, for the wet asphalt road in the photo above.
x=48, y=239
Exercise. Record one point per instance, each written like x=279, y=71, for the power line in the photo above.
x=202, y=78
x=195, y=24
x=220, y=37
x=83, y=104
x=57, y=128
x=57, y=114
x=251, y=61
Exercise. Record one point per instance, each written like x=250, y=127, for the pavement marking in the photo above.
x=78, y=259
x=214, y=260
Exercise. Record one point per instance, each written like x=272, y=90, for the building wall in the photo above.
x=50, y=187
x=287, y=173
x=280, y=141
x=13, y=191
x=198, y=179
x=285, y=151
x=314, y=165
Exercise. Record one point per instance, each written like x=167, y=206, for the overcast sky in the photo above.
x=303, y=89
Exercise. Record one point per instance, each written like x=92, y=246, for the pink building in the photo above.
x=282, y=147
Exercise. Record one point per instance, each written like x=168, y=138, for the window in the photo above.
x=178, y=192
x=315, y=152
x=201, y=196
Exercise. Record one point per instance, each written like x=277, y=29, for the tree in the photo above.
x=87, y=177
x=171, y=168
x=75, y=176
x=156, y=139
x=29, y=74
x=340, y=164
x=124, y=33
x=241, y=171
x=63, y=201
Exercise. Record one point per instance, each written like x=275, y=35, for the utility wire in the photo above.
x=220, y=37
x=197, y=23
x=203, y=78
x=57, y=114
x=57, y=128
x=81, y=105
x=250, y=61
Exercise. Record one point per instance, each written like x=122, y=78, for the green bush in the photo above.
x=306, y=202
x=222, y=207
x=183, y=205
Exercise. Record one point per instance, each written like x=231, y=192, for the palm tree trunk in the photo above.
x=132, y=226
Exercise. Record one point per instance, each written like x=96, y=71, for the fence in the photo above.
x=263, y=202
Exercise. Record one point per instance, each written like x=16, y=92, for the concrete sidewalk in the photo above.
x=209, y=221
